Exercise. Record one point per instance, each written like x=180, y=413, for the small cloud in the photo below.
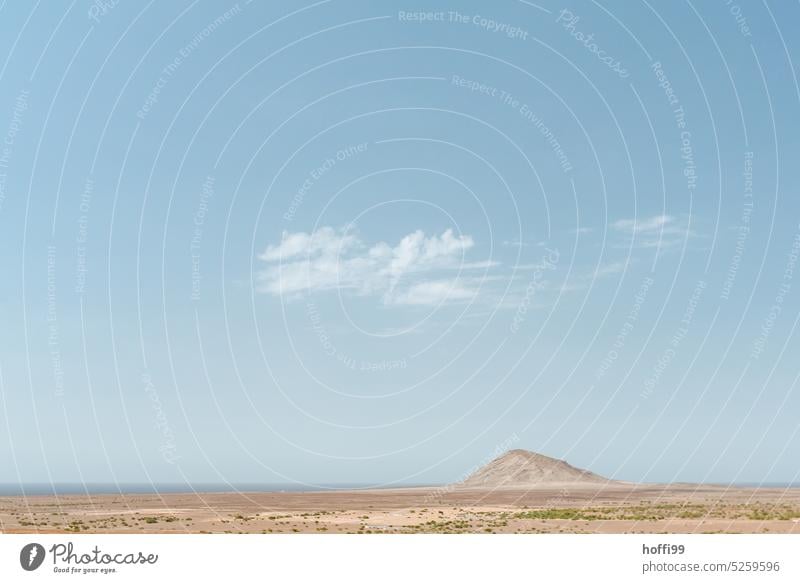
x=611, y=268
x=431, y=293
x=646, y=225
x=571, y=287
x=323, y=241
x=515, y=243
x=479, y=264
x=582, y=281
x=656, y=232
x=329, y=259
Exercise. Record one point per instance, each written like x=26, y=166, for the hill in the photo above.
x=520, y=468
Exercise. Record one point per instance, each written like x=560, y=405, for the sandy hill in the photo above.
x=520, y=468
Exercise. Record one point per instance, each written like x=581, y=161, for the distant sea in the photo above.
x=43, y=489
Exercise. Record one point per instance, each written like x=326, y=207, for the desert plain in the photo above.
x=520, y=492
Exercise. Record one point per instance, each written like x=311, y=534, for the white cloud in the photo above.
x=643, y=225
x=611, y=268
x=658, y=232
x=329, y=259
x=434, y=292
x=324, y=240
x=583, y=280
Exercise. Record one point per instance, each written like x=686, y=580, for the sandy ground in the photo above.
x=556, y=509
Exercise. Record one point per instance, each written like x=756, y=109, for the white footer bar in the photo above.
x=354, y=558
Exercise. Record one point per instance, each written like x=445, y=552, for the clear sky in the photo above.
x=381, y=242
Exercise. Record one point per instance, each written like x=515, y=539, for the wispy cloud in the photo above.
x=614, y=268
x=411, y=272
x=583, y=280
x=434, y=292
x=659, y=231
x=643, y=225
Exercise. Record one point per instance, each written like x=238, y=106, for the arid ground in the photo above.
x=616, y=508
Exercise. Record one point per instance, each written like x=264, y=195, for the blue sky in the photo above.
x=358, y=242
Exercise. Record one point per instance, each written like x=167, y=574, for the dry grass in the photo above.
x=655, y=509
